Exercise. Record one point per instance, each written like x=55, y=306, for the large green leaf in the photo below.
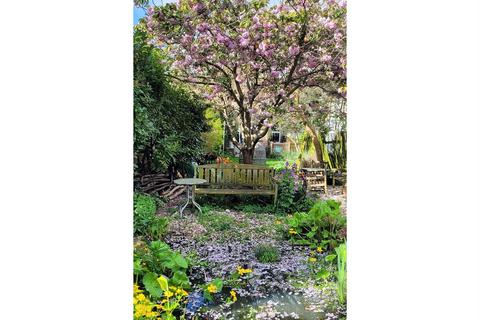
x=181, y=261
x=330, y=257
x=163, y=282
x=169, y=262
x=323, y=274
x=152, y=286
x=180, y=279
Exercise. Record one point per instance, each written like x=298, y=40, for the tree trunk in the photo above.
x=317, y=145
x=247, y=155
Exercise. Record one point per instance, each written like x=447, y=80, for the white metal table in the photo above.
x=189, y=183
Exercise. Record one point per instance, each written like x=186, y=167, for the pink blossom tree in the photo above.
x=249, y=58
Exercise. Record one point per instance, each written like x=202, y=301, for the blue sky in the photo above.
x=139, y=13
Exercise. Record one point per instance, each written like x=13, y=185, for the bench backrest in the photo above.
x=234, y=174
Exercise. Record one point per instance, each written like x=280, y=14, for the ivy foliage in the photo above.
x=168, y=119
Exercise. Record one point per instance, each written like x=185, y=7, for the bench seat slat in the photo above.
x=234, y=191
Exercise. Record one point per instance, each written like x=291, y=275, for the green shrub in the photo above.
x=144, y=208
x=161, y=111
x=155, y=259
x=323, y=225
x=304, y=203
x=266, y=253
x=288, y=185
x=158, y=270
x=292, y=195
x=144, y=204
x=145, y=221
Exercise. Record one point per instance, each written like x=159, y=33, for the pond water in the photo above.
x=276, y=306
x=281, y=306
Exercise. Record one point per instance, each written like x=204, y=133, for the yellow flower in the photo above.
x=319, y=249
x=181, y=292
x=151, y=314
x=212, y=288
x=242, y=271
x=141, y=297
x=233, y=294
x=136, y=289
x=292, y=231
x=141, y=309
x=168, y=293
x=312, y=259
x=278, y=222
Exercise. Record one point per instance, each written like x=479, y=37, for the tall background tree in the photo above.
x=249, y=58
x=324, y=119
x=168, y=120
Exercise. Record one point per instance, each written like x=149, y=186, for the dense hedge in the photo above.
x=168, y=120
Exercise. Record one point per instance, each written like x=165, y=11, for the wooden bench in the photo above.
x=234, y=178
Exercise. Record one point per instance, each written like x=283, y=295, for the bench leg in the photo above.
x=325, y=184
x=275, y=197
